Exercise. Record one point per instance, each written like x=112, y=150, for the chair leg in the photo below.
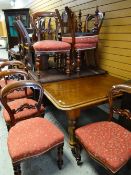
x=38, y=65
x=77, y=155
x=17, y=169
x=78, y=63
x=68, y=64
x=60, y=156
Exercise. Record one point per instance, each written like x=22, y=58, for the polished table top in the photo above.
x=80, y=92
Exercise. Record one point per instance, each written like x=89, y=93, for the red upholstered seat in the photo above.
x=16, y=94
x=25, y=113
x=51, y=45
x=84, y=46
x=32, y=137
x=107, y=142
x=82, y=39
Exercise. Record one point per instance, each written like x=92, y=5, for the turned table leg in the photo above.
x=72, y=117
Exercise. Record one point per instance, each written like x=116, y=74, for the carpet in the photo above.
x=46, y=163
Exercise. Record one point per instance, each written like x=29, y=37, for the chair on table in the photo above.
x=25, y=44
x=80, y=41
x=43, y=22
x=50, y=45
x=33, y=136
x=13, y=75
x=107, y=142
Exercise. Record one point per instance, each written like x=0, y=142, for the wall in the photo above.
x=115, y=35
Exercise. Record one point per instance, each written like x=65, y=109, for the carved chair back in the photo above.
x=12, y=64
x=26, y=44
x=18, y=86
x=118, y=90
x=13, y=74
x=46, y=25
x=94, y=22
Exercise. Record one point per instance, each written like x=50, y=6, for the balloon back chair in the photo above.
x=25, y=42
x=108, y=142
x=13, y=75
x=30, y=137
x=12, y=64
x=71, y=32
x=48, y=43
x=45, y=24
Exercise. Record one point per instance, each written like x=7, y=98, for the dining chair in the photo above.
x=12, y=64
x=48, y=44
x=25, y=44
x=13, y=75
x=30, y=137
x=80, y=41
x=107, y=142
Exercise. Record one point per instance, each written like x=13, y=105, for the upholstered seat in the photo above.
x=51, y=45
x=108, y=142
x=33, y=137
x=84, y=46
x=82, y=39
x=22, y=114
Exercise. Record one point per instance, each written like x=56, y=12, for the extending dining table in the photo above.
x=73, y=95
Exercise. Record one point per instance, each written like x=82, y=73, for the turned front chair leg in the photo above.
x=68, y=63
x=38, y=65
x=78, y=62
x=60, y=156
x=17, y=169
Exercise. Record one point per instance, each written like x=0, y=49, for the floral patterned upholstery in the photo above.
x=51, y=45
x=107, y=142
x=24, y=114
x=32, y=137
x=16, y=94
x=82, y=39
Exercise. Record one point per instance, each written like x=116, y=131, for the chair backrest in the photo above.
x=15, y=74
x=16, y=86
x=24, y=36
x=94, y=22
x=12, y=64
x=117, y=90
x=71, y=25
x=45, y=24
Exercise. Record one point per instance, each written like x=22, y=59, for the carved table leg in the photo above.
x=72, y=116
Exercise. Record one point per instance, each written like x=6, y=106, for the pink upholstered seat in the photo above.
x=33, y=137
x=107, y=142
x=84, y=46
x=82, y=39
x=51, y=45
x=25, y=113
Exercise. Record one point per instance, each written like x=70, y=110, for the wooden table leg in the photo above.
x=72, y=117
